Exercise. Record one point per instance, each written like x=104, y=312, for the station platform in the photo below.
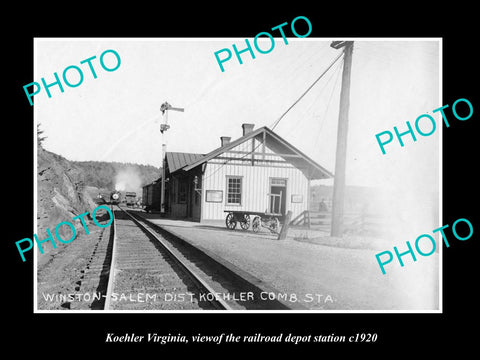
x=316, y=276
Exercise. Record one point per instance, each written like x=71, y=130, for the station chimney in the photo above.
x=247, y=128
x=225, y=140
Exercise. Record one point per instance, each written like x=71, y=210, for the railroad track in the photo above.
x=152, y=269
x=146, y=275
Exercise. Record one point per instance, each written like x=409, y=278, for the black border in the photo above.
x=406, y=334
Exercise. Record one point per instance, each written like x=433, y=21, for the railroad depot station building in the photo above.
x=258, y=172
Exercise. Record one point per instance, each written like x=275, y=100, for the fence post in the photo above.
x=286, y=225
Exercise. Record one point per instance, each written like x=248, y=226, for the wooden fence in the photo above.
x=354, y=222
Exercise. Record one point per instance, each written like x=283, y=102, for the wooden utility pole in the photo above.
x=341, y=153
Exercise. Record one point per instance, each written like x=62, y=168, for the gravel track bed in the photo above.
x=145, y=277
x=70, y=277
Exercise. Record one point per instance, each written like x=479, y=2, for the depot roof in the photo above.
x=311, y=169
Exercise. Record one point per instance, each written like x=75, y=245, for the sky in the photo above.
x=116, y=117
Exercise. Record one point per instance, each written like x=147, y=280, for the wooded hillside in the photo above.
x=115, y=175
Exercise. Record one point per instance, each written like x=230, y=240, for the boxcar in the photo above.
x=151, y=196
x=130, y=198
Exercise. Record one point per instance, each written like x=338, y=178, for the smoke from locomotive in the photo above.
x=128, y=180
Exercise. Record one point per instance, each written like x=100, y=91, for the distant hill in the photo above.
x=117, y=176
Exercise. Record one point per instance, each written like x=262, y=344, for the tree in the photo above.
x=39, y=137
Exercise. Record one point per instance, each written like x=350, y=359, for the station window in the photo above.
x=234, y=190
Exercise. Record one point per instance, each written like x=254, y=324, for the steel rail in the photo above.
x=216, y=302
x=251, y=282
x=111, y=272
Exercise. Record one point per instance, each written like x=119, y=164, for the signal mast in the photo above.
x=164, y=108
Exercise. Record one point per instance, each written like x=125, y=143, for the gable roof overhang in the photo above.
x=281, y=147
x=178, y=160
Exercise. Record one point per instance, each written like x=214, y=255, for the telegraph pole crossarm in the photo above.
x=166, y=106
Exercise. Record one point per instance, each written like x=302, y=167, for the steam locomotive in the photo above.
x=115, y=197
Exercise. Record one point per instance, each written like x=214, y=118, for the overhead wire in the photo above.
x=319, y=94
x=283, y=115
x=328, y=103
x=306, y=91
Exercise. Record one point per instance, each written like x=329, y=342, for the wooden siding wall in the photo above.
x=255, y=181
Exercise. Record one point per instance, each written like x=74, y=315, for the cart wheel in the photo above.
x=245, y=223
x=256, y=224
x=230, y=221
x=275, y=225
